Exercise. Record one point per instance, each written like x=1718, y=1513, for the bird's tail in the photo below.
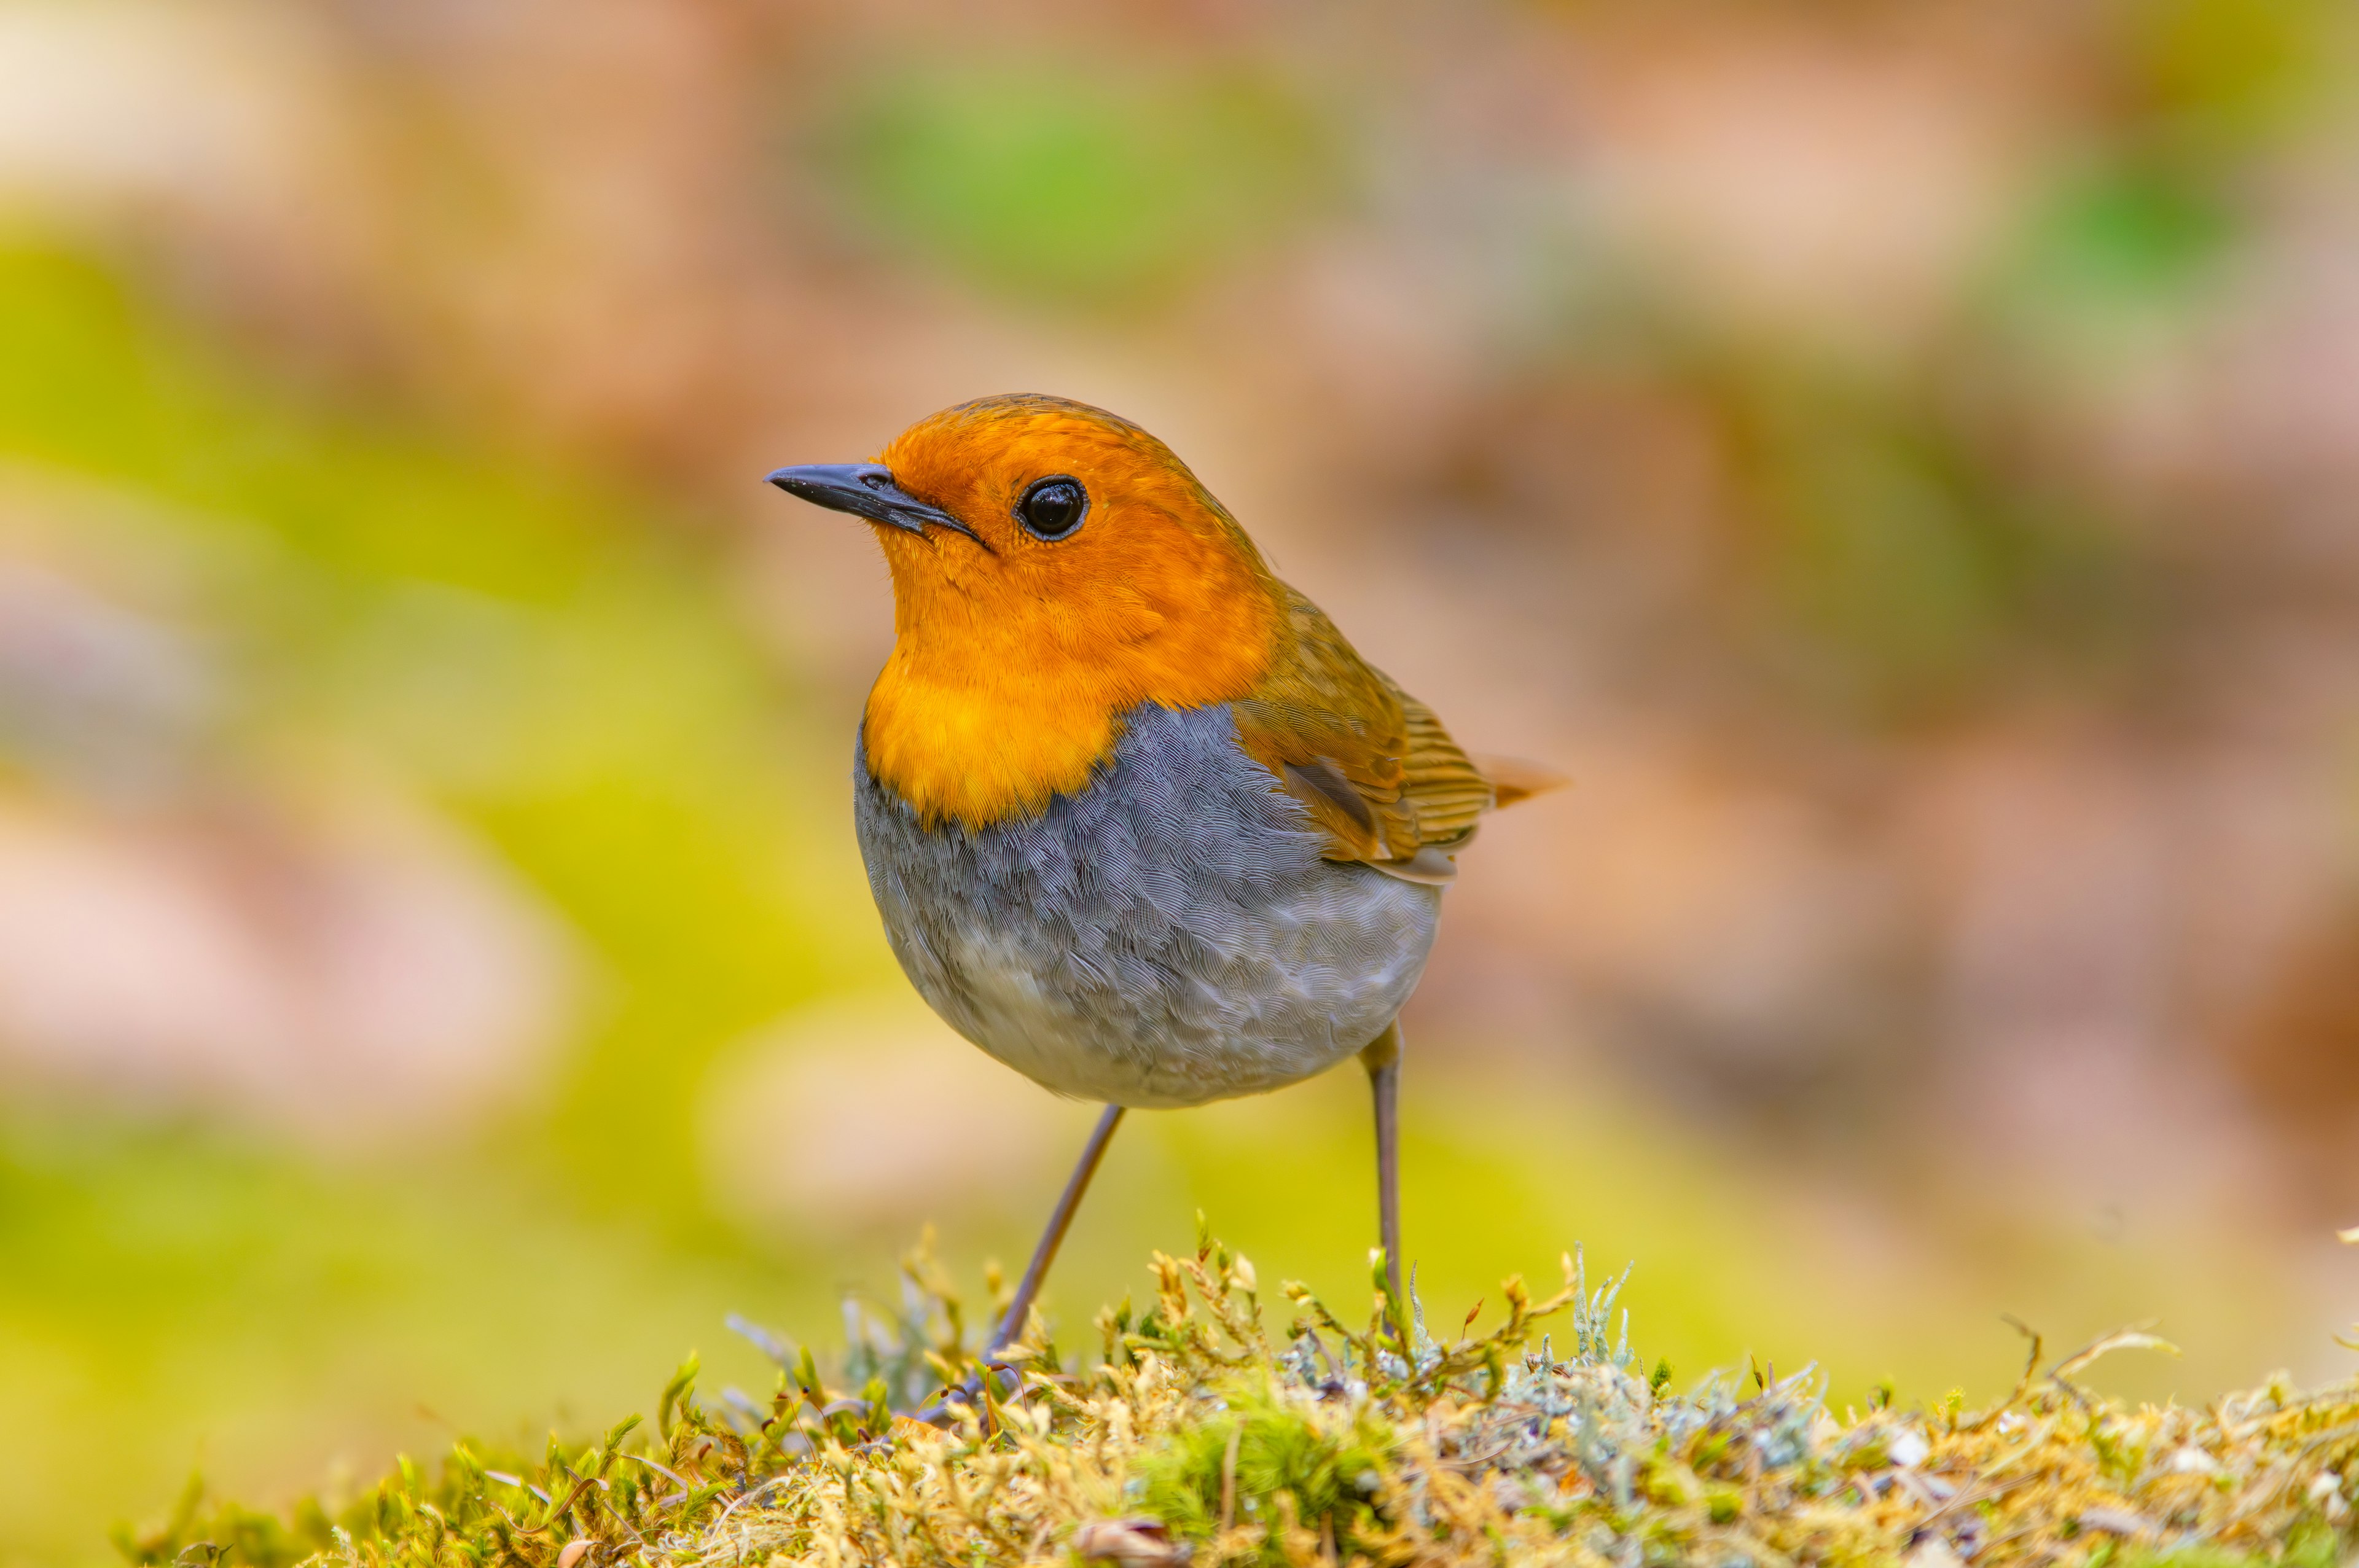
x=1514, y=779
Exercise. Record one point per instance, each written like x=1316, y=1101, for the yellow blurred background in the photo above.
x=1901, y=458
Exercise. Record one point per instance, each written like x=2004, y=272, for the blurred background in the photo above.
x=1902, y=458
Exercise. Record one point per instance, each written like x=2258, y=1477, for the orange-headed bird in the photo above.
x=1140, y=823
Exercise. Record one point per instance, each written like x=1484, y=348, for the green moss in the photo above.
x=1235, y=1467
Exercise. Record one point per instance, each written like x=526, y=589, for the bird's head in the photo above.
x=1053, y=566
x=1054, y=532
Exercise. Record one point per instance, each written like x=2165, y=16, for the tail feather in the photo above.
x=1514, y=779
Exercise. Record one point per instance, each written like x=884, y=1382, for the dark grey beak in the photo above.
x=866, y=490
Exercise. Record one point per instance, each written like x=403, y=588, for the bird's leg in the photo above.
x=1382, y=1057
x=1011, y=1322
x=1019, y=1309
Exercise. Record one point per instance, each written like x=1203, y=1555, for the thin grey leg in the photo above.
x=1051, y=1238
x=1011, y=1322
x=1382, y=1058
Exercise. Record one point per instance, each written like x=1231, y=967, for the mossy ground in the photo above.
x=1201, y=1435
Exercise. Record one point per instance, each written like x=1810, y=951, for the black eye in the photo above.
x=1053, y=507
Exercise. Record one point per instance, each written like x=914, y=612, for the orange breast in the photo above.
x=977, y=722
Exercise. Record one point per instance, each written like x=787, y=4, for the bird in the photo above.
x=1139, y=821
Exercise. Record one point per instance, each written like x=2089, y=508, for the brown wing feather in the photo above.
x=1440, y=781
x=1381, y=778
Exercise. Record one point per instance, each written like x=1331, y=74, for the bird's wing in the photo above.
x=1383, y=780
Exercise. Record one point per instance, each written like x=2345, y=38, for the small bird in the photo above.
x=1140, y=823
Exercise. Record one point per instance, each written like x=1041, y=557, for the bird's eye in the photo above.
x=1053, y=507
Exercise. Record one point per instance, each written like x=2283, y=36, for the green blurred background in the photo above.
x=1902, y=458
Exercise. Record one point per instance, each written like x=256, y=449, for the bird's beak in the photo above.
x=866, y=490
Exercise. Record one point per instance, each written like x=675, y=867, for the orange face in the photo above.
x=1053, y=566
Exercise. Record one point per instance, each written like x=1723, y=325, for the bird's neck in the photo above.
x=970, y=723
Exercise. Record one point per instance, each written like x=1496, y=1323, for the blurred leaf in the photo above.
x=2233, y=66
x=1060, y=179
x=93, y=382
x=2125, y=233
x=1909, y=571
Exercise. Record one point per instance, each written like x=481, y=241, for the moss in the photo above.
x=1327, y=1465
x=1201, y=1435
